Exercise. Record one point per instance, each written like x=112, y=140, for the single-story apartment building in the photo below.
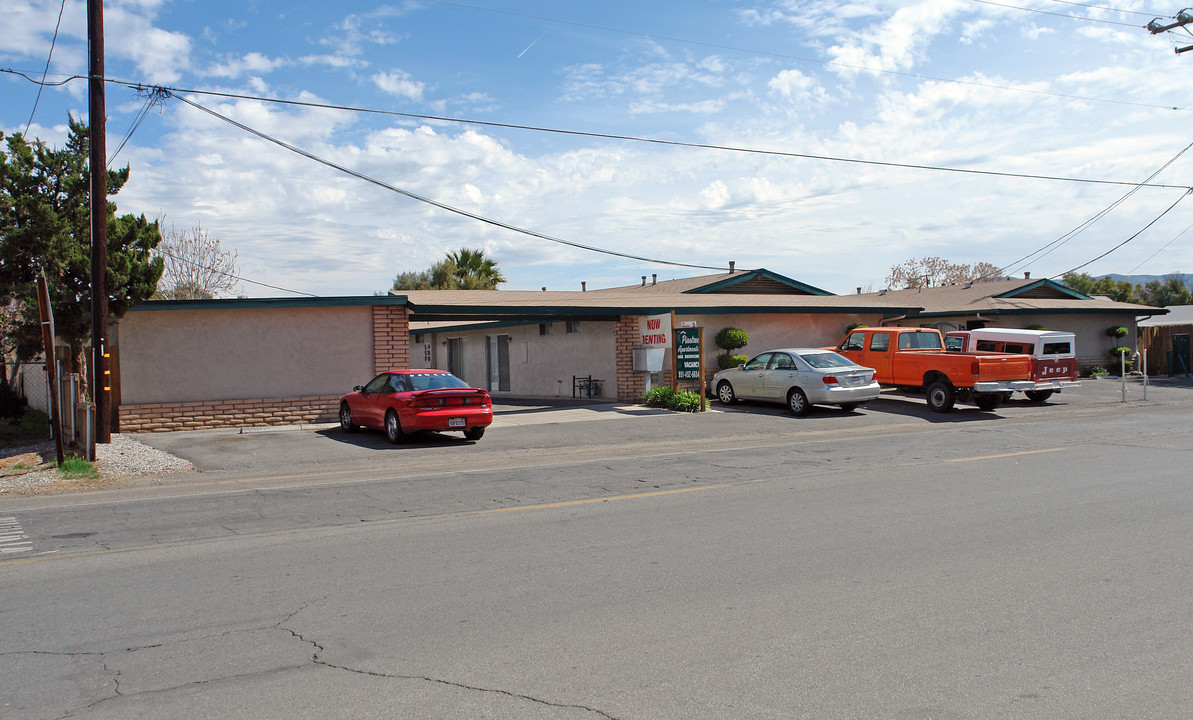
x=216, y=363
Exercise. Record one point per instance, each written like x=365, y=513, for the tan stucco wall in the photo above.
x=183, y=355
x=768, y=332
x=540, y=365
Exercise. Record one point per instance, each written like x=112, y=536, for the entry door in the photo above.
x=498, y=352
x=1180, y=355
x=455, y=357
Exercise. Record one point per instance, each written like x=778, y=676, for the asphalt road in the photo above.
x=613, y=563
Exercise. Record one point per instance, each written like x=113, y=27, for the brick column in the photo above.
x=629, y=383
x=391, y=338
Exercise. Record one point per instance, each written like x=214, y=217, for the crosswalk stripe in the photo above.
x=13, y=538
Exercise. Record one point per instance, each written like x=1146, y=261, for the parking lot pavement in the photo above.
x=521, y=415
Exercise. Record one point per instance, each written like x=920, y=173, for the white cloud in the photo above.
x=250, y=63
x=399, y=83
x=160, y=55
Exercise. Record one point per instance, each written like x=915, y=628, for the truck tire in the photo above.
x=987, y=401
x=1038, y=395
x=941, y=396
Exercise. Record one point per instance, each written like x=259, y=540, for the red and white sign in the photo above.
x=654, y=331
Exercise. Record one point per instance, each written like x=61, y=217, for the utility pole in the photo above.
x=1183, y=18
x=100, y=374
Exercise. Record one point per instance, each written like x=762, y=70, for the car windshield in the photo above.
x=435, y=381
x=825, y=360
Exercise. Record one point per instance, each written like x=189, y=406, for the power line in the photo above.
x=1124, y=242
x=45, y=72
x=632, y=138
x=435, y=203
x=1050, y=247
x=152, y=98
x=1104, y=7
x=816, y=61
x=234, y=276
x=1162, y=249
x=1055, y=14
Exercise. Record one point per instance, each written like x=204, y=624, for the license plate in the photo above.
x=455, y=422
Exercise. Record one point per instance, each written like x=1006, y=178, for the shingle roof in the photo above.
x=498, y=304
x=1007, y=297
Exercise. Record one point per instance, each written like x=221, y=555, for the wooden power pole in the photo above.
x=100, y=373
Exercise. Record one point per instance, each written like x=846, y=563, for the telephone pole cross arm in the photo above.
x=1183, y=18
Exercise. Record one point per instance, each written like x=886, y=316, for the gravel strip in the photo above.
x=28, y=470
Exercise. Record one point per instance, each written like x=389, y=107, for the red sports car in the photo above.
x=407, y=401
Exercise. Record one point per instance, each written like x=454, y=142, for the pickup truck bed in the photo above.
x=916, y=358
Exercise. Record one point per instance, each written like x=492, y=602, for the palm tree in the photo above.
x=473, y=271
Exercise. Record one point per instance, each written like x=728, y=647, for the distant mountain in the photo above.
x=1145, y=279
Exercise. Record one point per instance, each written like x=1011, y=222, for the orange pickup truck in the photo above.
x=909, y=357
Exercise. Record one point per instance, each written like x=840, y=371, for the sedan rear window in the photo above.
x=825, y=360
x=435, y=381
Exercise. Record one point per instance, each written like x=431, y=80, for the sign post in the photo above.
x=689, y=359
x=47, y=338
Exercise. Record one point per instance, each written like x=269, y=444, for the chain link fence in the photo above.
x=27, y=387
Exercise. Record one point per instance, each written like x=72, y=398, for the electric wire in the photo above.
x=435, y=203
x=1056, y=14
x=646, y=140
x=172, y=91
x=1162, y=249
x=234, y=276
x=1050, y=247
x=1105, y=7
x=41, y=85
x=816, y=61
x=1124, y=242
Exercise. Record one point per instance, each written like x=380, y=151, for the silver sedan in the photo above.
x=799, y=377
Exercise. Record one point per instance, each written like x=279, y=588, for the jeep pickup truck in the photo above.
x=1053, y=354
x=913, y=358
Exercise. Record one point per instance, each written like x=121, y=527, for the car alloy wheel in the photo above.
x=725, y=394
x=393, y=428
x=798, y=403
x=346, y=418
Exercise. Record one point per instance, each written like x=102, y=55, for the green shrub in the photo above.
x=659, y=397
x=731, y=338
x=1036, y=327
x=685, y=401
x=664, y=397
x=1115, y=352
x=724, y=362
x=1116, y=331
x=1098, y=371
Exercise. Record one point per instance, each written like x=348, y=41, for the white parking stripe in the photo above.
x=12, y=538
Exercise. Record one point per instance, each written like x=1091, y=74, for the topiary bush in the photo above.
x=725, y=362
x=731, y=338
x=1116, y=331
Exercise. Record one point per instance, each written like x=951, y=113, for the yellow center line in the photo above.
x=566, y=503
x=75, y=556
x=1006, y=455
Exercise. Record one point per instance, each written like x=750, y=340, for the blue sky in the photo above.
x=1022, y=87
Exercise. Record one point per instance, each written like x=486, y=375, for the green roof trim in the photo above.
x=1050, y=284
x=747, y=275
x=245, y=303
